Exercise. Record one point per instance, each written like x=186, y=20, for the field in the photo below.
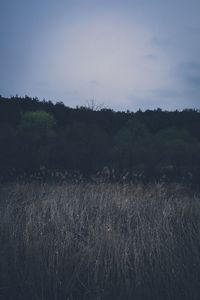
x=99, y=242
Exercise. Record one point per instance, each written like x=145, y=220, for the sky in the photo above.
x=123, y=54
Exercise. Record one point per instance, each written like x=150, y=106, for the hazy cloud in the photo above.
x=94, y=82
x=165, y=93
x=161, y=42
x=126, y=54
x=190, y=73
x=150, y=57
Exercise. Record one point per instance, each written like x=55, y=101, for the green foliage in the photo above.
x=130, y=143
x=36, y=132
x=143, y=144
x=37, y=125
x=178, y=146
x=82, y=147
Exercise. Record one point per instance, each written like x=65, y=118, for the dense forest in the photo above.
x=39, y=139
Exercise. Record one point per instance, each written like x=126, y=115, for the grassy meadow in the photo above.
x=99, y=242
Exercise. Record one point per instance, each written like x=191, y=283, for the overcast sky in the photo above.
x=125, y=54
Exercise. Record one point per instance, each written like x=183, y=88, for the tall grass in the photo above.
x=99, y=241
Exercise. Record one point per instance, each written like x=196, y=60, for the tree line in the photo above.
x=40, y=137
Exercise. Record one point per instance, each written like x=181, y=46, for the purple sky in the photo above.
x=124, y=54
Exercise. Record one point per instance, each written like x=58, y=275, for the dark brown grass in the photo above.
x=99, y=241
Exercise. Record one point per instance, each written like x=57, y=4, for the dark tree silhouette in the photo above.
x=151, y=145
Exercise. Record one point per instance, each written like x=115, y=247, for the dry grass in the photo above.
x=99, y=241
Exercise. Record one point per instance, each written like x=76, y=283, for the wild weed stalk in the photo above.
x=99, y=241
